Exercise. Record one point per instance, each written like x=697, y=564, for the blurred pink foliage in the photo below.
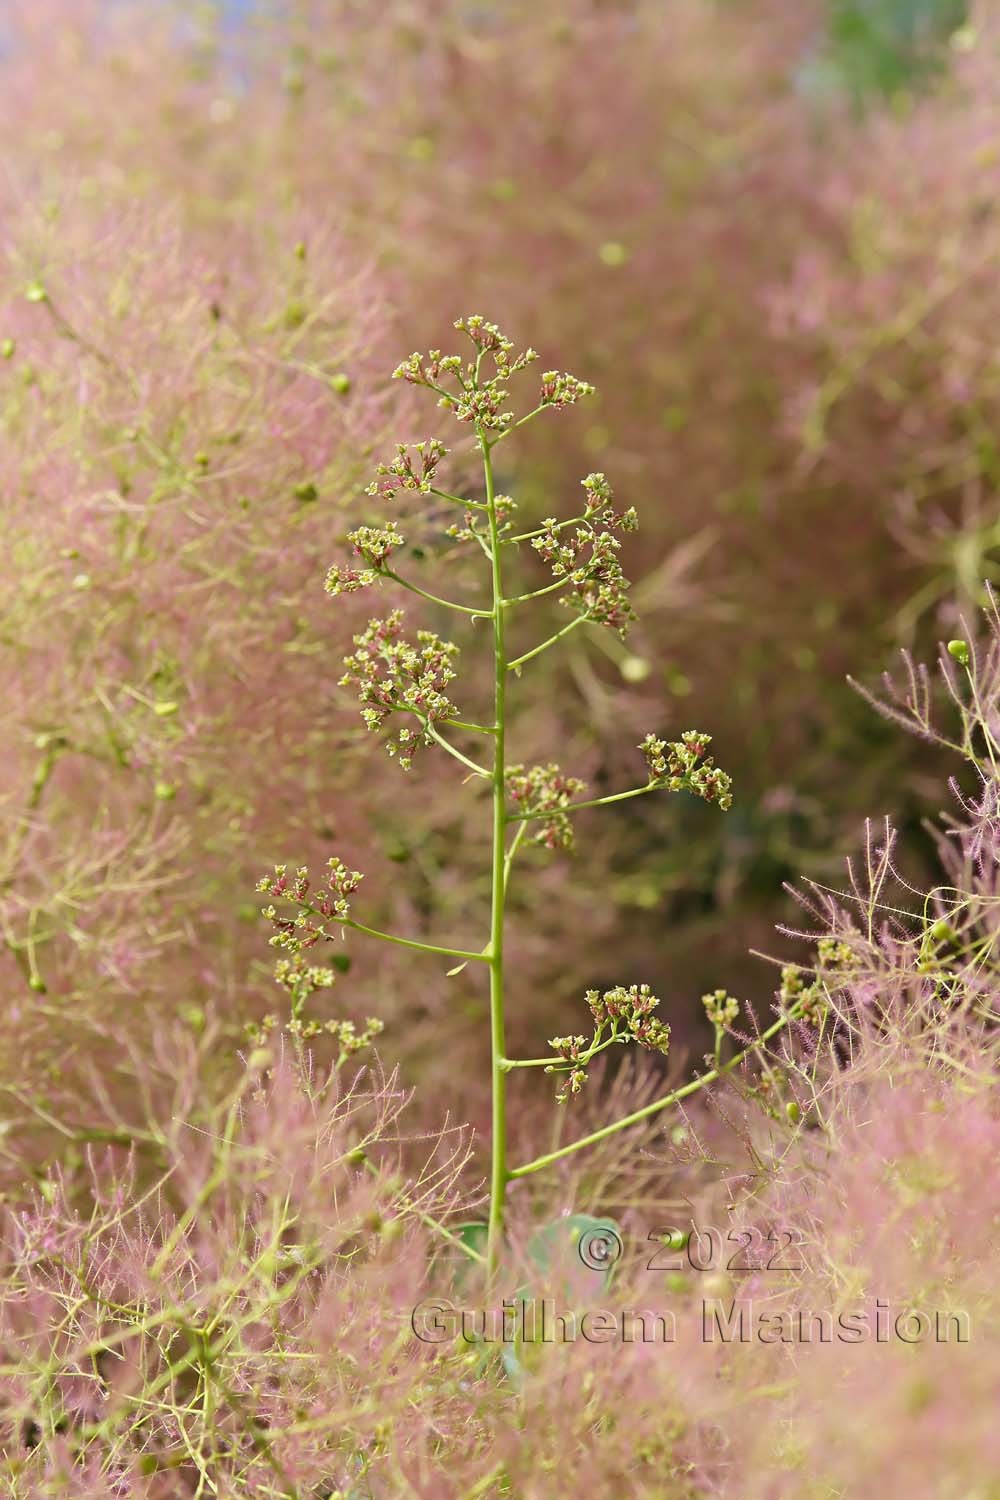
x=212, y=250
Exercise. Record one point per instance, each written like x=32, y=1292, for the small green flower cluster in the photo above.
x=302, y=979
x=721, y=1008
x=634, y=1007
x=392, y=675
x=349, y=1040
x=402, y=473
x=545, y=790
x=563, y=390
x=295, y=934
x=588, y=564
x=682, y=765
x=375, y=545
x=810, y=1002
x=569, y=1048
x=834, y=953
x=489, y=340
x=477, y=399
x=626, y=1015
x=329, y=900
x=599, y=507
x=835, y=959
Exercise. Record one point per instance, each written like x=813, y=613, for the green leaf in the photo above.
x=475, y=1236
x=579, y=1245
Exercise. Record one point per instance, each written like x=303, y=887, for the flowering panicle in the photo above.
x=544, y=791
x=374, y=545
x=407, y=473
x=682, y=766
x=327, y=902
x=392, y=675
x=620, y=1016
x=588, y=564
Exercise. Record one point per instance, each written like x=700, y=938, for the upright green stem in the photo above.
x=498, y=1167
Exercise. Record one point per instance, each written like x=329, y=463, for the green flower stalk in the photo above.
x=404, y=684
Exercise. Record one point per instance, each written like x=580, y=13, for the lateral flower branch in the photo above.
x=404, y=684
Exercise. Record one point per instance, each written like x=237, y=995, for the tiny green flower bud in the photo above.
x=942, y=931
x=35, y=292
x=960, y=651
x=164, y=791
x=7, y=349
x=635, y=669
x=340, y=383
x=792, y=1112
x=613, y=254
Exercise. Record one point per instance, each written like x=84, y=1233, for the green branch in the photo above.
x=636, y=1118
x=538, y=593
x=439, y=739
x=637, y=791
x=514, y=666
x=402, y=942
x=479, y=614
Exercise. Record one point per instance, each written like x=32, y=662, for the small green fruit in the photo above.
x=613, y=254
x=960, y=651
x=635, y=668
